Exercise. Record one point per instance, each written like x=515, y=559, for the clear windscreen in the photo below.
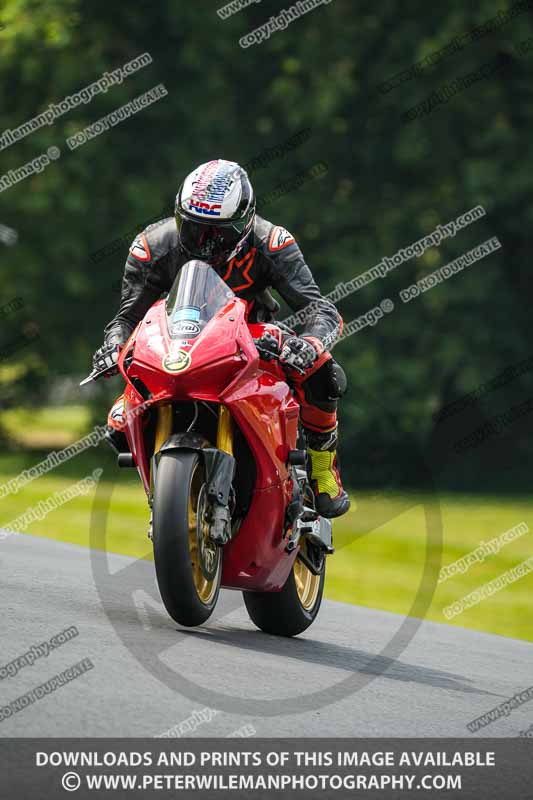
x=197, y=294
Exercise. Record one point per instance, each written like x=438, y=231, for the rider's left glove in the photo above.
x=301, y=352
x=105, y=359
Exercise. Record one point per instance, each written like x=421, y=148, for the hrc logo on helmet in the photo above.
x=211, y=209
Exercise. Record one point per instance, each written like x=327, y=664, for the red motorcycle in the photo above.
x=213, y=430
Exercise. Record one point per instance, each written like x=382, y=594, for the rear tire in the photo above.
x=291, y=611
x=188, y=566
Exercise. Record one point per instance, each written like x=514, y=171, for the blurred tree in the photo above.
x=388, y=184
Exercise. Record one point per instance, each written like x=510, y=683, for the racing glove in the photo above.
x=105, y=359
x=301, y=352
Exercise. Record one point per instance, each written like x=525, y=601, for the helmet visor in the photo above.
x=208, y=242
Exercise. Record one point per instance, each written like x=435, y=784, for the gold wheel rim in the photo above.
x=205, y=588
x=307, y=584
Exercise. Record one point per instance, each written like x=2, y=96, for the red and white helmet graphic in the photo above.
x=215, y=211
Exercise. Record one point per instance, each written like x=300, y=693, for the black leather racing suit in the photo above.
x=270, y=259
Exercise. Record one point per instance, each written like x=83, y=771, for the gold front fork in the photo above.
x=164, y=426
x=163, y=429
x=224, y=432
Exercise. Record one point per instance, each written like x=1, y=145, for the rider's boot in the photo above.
x=330, y=498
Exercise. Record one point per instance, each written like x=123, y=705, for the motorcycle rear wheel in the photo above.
x=295, y=608
x=188, y=565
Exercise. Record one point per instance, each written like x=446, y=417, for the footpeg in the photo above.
x=125, y=460
x=319, y=531
x=298, y=458
x=294, y=538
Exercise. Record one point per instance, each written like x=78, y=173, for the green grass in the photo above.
x=382, y=544
x=46, y=427
x=384, y=567
x=128, y=514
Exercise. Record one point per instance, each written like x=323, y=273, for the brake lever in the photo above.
x=94, y=376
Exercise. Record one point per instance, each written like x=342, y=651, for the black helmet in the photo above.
x=215, y=211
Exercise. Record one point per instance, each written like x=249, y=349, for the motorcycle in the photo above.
x=213, y=429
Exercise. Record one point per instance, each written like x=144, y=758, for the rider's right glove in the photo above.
x=105, y=359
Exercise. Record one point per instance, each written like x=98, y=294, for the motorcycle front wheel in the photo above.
x=188, y=564
x=293, y=609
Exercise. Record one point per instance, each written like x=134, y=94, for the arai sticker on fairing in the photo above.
x=185, y=329
x=185, y=321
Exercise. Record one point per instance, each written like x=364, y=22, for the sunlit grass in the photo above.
x=383, y=568
x=46, y=427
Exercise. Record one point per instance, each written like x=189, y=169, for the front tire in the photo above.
x=188, y=565
x=295, y=608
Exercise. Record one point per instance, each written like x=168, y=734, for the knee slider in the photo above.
x=326, y=385
x=337, y=380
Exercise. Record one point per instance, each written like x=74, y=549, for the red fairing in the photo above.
x=222, y=365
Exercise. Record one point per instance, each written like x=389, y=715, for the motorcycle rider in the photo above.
x=216, y=221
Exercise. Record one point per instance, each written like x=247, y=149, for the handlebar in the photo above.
x=267, y=346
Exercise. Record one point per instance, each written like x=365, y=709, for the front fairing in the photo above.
x=194, y=332
x=198, y=368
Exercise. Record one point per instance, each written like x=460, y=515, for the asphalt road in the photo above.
x=149, y=676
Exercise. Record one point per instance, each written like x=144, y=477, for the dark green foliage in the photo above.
x=388, y=184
